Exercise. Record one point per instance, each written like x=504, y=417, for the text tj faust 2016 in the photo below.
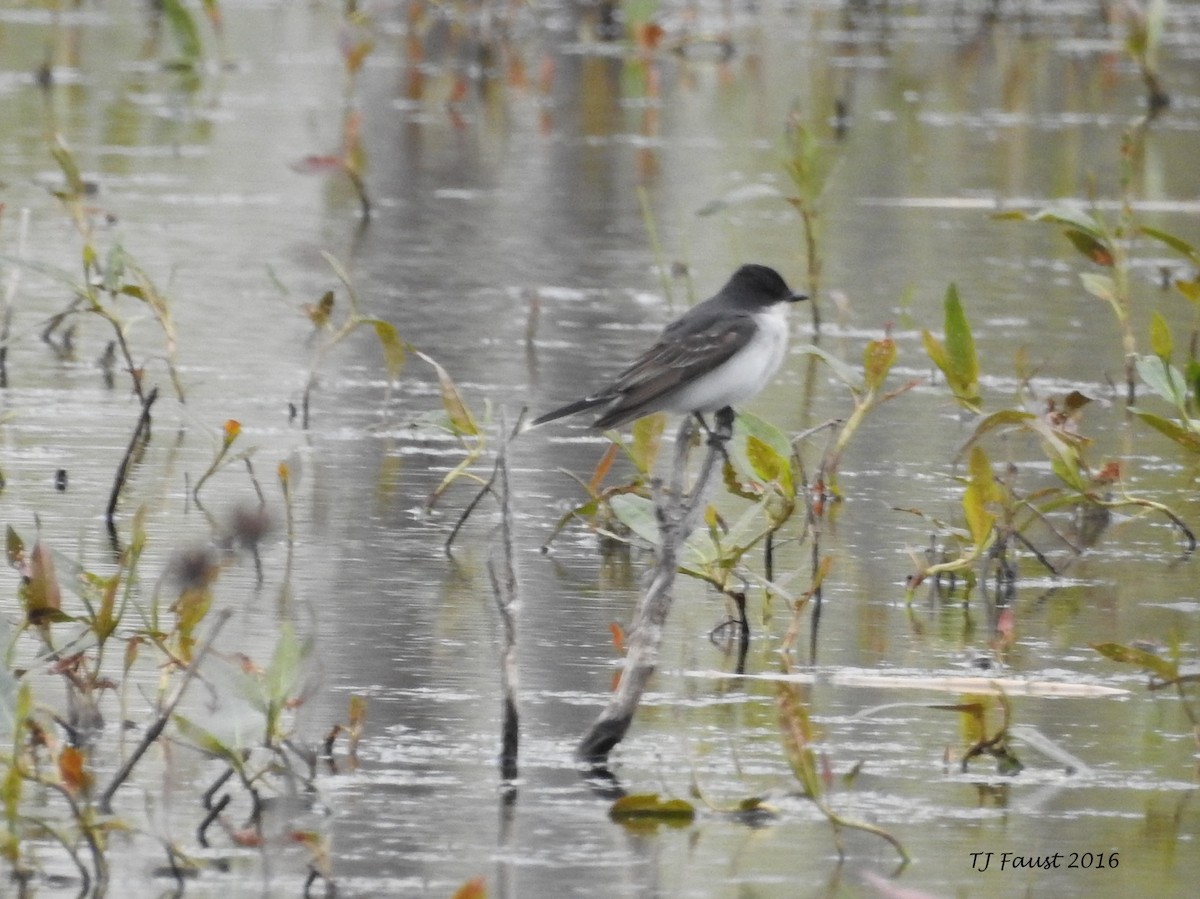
x=1012, y=861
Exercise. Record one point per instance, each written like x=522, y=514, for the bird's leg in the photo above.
x=722, y=429
x=724, y=424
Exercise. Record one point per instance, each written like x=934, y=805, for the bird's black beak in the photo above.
x=797, y=297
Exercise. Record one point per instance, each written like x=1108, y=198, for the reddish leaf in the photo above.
x=71, y=772
x=475, y=888
x=618, y=635
x=1089, y=246
x=316, y=165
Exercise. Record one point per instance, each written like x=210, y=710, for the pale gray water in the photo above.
x=533, y=186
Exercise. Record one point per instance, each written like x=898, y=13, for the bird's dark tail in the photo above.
x=588, y=402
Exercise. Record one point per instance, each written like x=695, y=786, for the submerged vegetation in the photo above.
x=124, y=668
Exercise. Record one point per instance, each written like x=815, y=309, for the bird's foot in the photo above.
x=722, y=429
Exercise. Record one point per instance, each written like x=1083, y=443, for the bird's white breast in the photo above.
x=746, y=373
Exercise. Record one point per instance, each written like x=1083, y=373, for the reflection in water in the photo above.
x=527, y=182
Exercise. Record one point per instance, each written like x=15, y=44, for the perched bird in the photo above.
x=716, y=355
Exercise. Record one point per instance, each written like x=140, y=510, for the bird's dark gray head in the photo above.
x=759, y=284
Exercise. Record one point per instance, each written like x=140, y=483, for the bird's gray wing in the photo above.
x=675, y=360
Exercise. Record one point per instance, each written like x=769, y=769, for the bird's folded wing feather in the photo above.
x=678, y=359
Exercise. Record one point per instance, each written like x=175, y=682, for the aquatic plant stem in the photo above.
x=677, y=513
x=141, y=434
x=10, y=295
x=154, y=731
x=503, y=574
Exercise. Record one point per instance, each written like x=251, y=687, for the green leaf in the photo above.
x=1164, y=379
x=649, y=807
x=808, y=163
x=14, y=546
x=1002, y=419
x=1070, y=217
x=1094, y=249
x=40, y=592
x=796, y=730
x=1131, y=655
x=1188, y=439
x=956, y=357
x=183, y=27
x=66, y=163
x=981, y=490
x=647, y=440
x=768, y=464
x=106, y=621
x=393, y=346
x=114, y=269
x=1160, y=337
x=1190, y=289
x=740, y=196
x=461, y=419
x=1102, y=287
x=1067, y=469
x=762, y=452
x=9, y=695
x=203, y=740
x=847, y=374
x=878, y=358
x=283, y=672
x=636, y=513
x=1175, y=243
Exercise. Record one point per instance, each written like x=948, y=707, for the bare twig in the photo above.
x=677, y=514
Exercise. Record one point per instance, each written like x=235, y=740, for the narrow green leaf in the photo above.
x=740, y=196
x=106, y=621
x=981, y=490
x=393, y=346
x=1102, y=287
x=1070, y=217
x=1160, y=337
x=1164, y=379
x=66, y=163
x=795, y=729
x=202, y=739
x=1175, y=243
x=183, y=27
x=1188, y=439
x=956, y=357
x=935, y=350
x=461, y=419
x=1067, y=469
x=847, y=374
x=960, y=344
x=283, y=672
x=1131, y=655
x=648, y=806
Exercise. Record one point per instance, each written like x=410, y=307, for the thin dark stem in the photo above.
x=157, y=726
x=503, y=574
x=141, y=433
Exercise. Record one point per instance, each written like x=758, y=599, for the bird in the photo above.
x=717, y=355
